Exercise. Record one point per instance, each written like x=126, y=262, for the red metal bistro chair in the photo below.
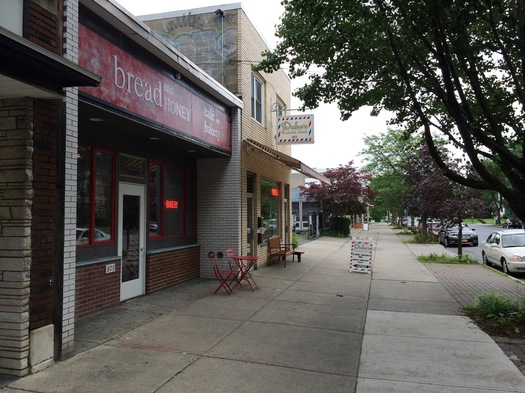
x=224, y=273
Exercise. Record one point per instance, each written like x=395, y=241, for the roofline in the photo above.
x=205, y=10
x=200, y=10
x=120, y=18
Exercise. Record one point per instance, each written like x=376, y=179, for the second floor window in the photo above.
x=279, y=109
x=257, y=99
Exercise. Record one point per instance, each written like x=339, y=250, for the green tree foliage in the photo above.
x=348, y=192
x=385, y=155
x=449, y=68
x=409, y=181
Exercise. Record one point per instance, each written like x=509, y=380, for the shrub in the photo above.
x=341, y=225
x=447, y=259
x=492, y=305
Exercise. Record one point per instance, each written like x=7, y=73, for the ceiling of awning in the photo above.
x=28, y=69
x=288, y=160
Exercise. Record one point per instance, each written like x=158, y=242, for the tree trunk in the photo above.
x=460, y=238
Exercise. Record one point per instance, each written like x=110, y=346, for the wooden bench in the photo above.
x=278, y=249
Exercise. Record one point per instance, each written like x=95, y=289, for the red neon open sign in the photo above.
x=169, y=204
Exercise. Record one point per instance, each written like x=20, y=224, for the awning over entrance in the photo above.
x=286, y=159
x=29, y=70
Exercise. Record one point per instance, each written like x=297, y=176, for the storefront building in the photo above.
x=106, y=188
x=223, y=42
x=123, y=165
x=38, y=75
x=151, y=137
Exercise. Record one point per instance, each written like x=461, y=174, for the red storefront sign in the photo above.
x=170, y=204
x=133, y=86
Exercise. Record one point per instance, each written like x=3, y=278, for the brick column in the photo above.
x=70, y=45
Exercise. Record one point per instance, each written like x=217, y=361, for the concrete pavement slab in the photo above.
x=415, y=306
x=348, y=302
x=162, y=302
x=226, y=307
x=351, y=290
x=178, y=333
x=400, y=324
x=108, y=369
x=226, y=376
x=387, y=386
x=312, y=315
x=400, y=265
x=305, y=348
x=446, y=362
x=338, y=277
x=409, y=290
x=108, y=324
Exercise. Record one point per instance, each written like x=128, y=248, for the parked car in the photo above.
x=505, y=249
x=513, y=223
x=83, y=236
x=449, y=235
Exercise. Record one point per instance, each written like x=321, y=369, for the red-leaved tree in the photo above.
x=348, y=192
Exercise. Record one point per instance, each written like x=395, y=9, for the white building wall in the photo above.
x=70, y=43
x=219, y=201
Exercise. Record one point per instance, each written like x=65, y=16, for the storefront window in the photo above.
x=270, y=208
x=155, y=197
x=94, y=196
x=103, y=195
x=83, y=194
x=172, y=201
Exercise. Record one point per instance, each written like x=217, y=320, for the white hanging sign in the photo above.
x=297, y=129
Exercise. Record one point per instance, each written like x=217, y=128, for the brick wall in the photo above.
x=219, y=203
x=170, y=268
x=96, y=290
x=43, y=28
x=276, y=87
x=45, y=231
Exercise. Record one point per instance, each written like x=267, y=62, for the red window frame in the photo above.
x=186, y=172
x=92, y=197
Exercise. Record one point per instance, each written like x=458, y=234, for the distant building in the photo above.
x=307, y=213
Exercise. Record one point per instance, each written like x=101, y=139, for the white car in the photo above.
x=83, y=236
x=505, y=249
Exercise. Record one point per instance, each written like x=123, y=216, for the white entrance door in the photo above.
x=132, y=239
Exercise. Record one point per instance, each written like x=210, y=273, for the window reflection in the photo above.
x=270, y=208
x=94, y=195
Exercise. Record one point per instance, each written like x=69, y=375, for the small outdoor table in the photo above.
x=245, y=263
x=298, y=254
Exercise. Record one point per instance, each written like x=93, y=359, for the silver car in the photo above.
x=505, y=249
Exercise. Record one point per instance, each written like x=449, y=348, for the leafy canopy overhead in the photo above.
x=449, y=68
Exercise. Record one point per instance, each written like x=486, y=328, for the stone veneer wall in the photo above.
x=16, y=176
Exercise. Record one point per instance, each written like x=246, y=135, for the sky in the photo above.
x=336, y=142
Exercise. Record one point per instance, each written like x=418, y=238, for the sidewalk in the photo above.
x=311, y=327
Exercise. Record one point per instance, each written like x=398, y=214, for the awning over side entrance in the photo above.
x=287, y=160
